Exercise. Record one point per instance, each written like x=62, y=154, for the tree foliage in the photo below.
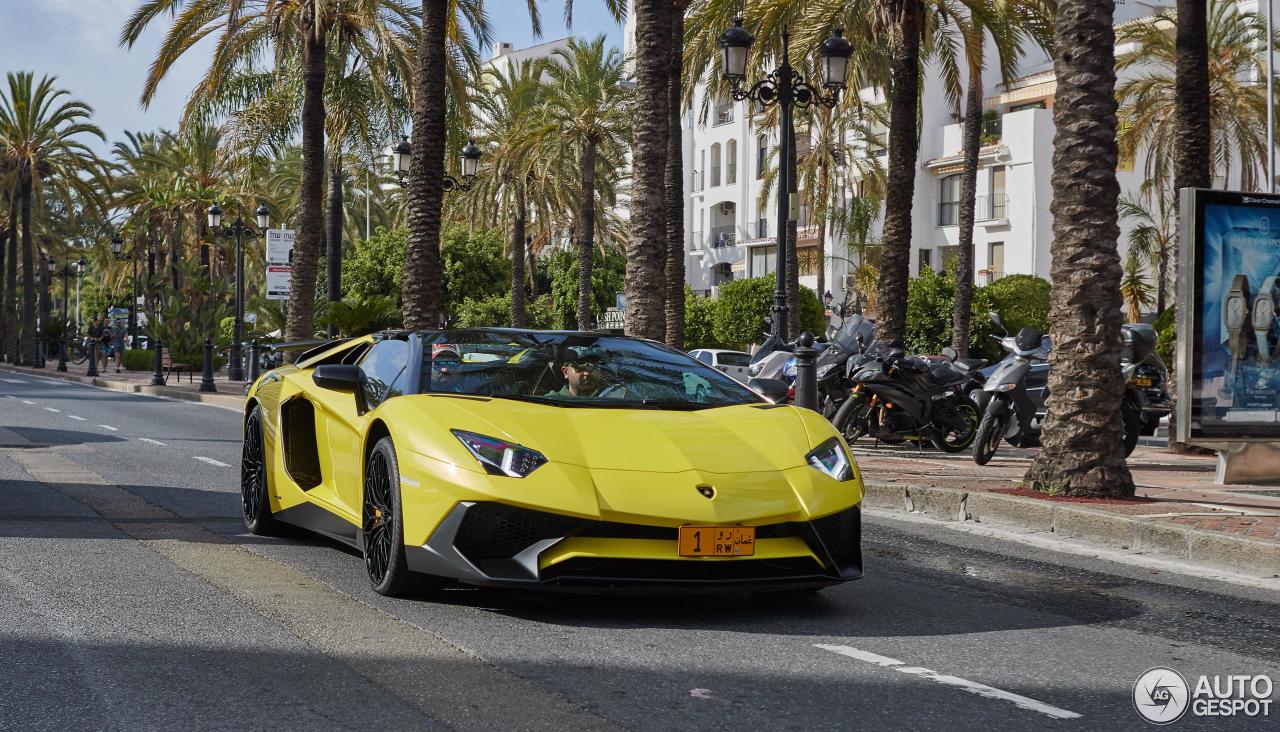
x=742, y=310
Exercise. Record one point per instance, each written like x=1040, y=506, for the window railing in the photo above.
x=698, y=181
x=696, y=242
x=724, y=236
x=994, y=206
x=724, y=115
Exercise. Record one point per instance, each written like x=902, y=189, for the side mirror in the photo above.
x=995, y=318
x=775, y=390
x=338, y=377
x=950, y=353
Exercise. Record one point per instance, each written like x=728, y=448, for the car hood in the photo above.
x=736, y=439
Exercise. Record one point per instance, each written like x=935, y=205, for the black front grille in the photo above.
x=660, y=570
x=841, y=534
x=498, y=531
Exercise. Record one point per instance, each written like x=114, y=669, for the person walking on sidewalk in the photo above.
x=93, y=335
x=104, y=343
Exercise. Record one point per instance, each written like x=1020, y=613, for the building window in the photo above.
x=949, y=255
x=949, y=201
x=762, y=156
x=724, y=113
x=807, y=261
x=731, y=162
x=994, y=204
x=715, y=164
x=764, y=261
x=1032, y=105
x=995, y=259
x=926, y=260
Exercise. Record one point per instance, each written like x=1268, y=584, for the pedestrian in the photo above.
x=117, y=345
x=94, y=335
x=104, y=343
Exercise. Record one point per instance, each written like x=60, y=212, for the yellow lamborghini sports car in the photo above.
x=548, y=460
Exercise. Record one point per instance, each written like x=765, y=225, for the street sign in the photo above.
x=1228, y=365
x=279, y=281
x=279, y=246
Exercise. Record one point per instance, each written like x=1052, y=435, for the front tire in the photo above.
x=1132, y=425
x=382, y=521
x=990, y=431
x=255, y=490
x=955, y=437
x=850, y=418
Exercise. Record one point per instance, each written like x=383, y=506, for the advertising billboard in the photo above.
x=279, y=271
x=1228, y=342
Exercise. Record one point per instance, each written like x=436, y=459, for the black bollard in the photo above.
x=93, y=359
x=157, y=370
x=254, y=355
x=62, y=354
x=806, y=379
x=206, y=379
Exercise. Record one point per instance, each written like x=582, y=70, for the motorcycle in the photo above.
x=833, y=368
x=1149, y=377
x=898, y=398
x=1012, y=400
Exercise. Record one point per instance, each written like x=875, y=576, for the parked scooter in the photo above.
x=898, y=398
x=1012, y=400
x=834, y=367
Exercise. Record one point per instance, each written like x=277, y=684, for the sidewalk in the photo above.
x=229, y=394
x=1178, y=511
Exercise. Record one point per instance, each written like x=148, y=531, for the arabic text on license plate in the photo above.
x=717, y=541
x=1141, y=381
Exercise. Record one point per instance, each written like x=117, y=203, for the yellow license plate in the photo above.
x=1141, y=381
x=717, y=541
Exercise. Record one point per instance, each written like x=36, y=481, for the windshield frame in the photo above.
x=730, y=391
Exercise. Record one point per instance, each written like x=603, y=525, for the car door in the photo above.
x=342, y=424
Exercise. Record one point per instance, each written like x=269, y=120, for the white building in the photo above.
x=730, y=236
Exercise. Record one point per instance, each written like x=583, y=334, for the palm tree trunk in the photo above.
x=28, y=322
x=310, y=240
x=517, y=260
x=586, y=232
x=9, y=310
x=674, y=186
x=5, y=292
x=333, y=237
x=533, y=267
x=646, y=246
x=1083, y=452
x=895, y=250
x=1162, y=272
x=1191, y=150
x=968, y=200
x=422, y=292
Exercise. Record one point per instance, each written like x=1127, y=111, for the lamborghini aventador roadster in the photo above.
x=548, y=460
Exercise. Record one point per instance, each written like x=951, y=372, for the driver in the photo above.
x=582, y=376
x=445, y=364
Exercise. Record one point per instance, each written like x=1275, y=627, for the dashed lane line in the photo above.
x=150, y=441
x=108, y=427
x=77, y=418
x=51, y=409
x=28, y=401
x=973, y=687
x=15, y=381
x=211, y=461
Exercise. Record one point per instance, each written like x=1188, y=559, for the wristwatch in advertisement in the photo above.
x=1235, y=309
x=1264, y=313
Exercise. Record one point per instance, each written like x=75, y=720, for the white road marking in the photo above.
x=108, y=427
x=10, y=396
x=151, y=441
x=211, y=461
x=51, y=409
x=973, y=687
x=28, y=401
x=700, y=693
x=14, y=381
x=78, y=419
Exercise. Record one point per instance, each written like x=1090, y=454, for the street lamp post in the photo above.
x=239, y=229
x=80, y=266
x=132, y=256
x=469, y=160
x=787, y=89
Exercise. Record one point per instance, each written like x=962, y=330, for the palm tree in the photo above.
x=647, y=244
x=1083, y=450
x=1193, y=99
x=673, y=183
x=1134, y=288
x=1151, y=118
x=1154, y=235
x=588, y=104
x=40, y=130
x=289, y=30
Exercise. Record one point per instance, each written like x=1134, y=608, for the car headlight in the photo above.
x=830, y=458
x=499, y=457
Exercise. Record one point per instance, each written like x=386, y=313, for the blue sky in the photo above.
x=76, y=41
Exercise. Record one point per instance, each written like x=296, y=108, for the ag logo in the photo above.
x=1160, y=695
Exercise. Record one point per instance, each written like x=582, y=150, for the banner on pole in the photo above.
x=279, y=263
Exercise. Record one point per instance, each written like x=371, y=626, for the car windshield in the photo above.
x=573, y=369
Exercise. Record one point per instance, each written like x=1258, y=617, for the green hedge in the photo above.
x=495, y=312
x=138, y=359
x=740, y=312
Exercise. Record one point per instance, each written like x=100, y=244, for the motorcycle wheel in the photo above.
x=990, y=431
x=851, y=418
x=958, y=435
x=1132, y=426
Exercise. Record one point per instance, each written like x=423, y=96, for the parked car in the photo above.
x=733, y=363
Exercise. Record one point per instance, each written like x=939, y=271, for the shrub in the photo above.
x=739, y=317
x=699, y=321
x=1166, y=326
x=930, y=309
x=608, y=277
x=375, y=266
x=495, y=312
x=138, y=359
x=1021, y=300
x=474, y=266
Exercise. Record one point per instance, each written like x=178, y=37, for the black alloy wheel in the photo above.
x=959, y=423
x=254, y=501
x=1132, y=417
x=851, y=418
x=382, y=522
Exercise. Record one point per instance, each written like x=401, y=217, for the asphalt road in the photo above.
x=130, y=598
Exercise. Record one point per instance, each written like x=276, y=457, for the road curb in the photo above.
x=1135, y=534
x=228, y=401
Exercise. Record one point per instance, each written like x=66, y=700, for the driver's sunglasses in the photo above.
x=440, y=365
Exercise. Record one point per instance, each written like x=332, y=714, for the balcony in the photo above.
x=724, y=115
x=698, y=181
x=992, y=208
x=723, y=236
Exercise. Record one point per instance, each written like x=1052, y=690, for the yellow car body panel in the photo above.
x=647, y=470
